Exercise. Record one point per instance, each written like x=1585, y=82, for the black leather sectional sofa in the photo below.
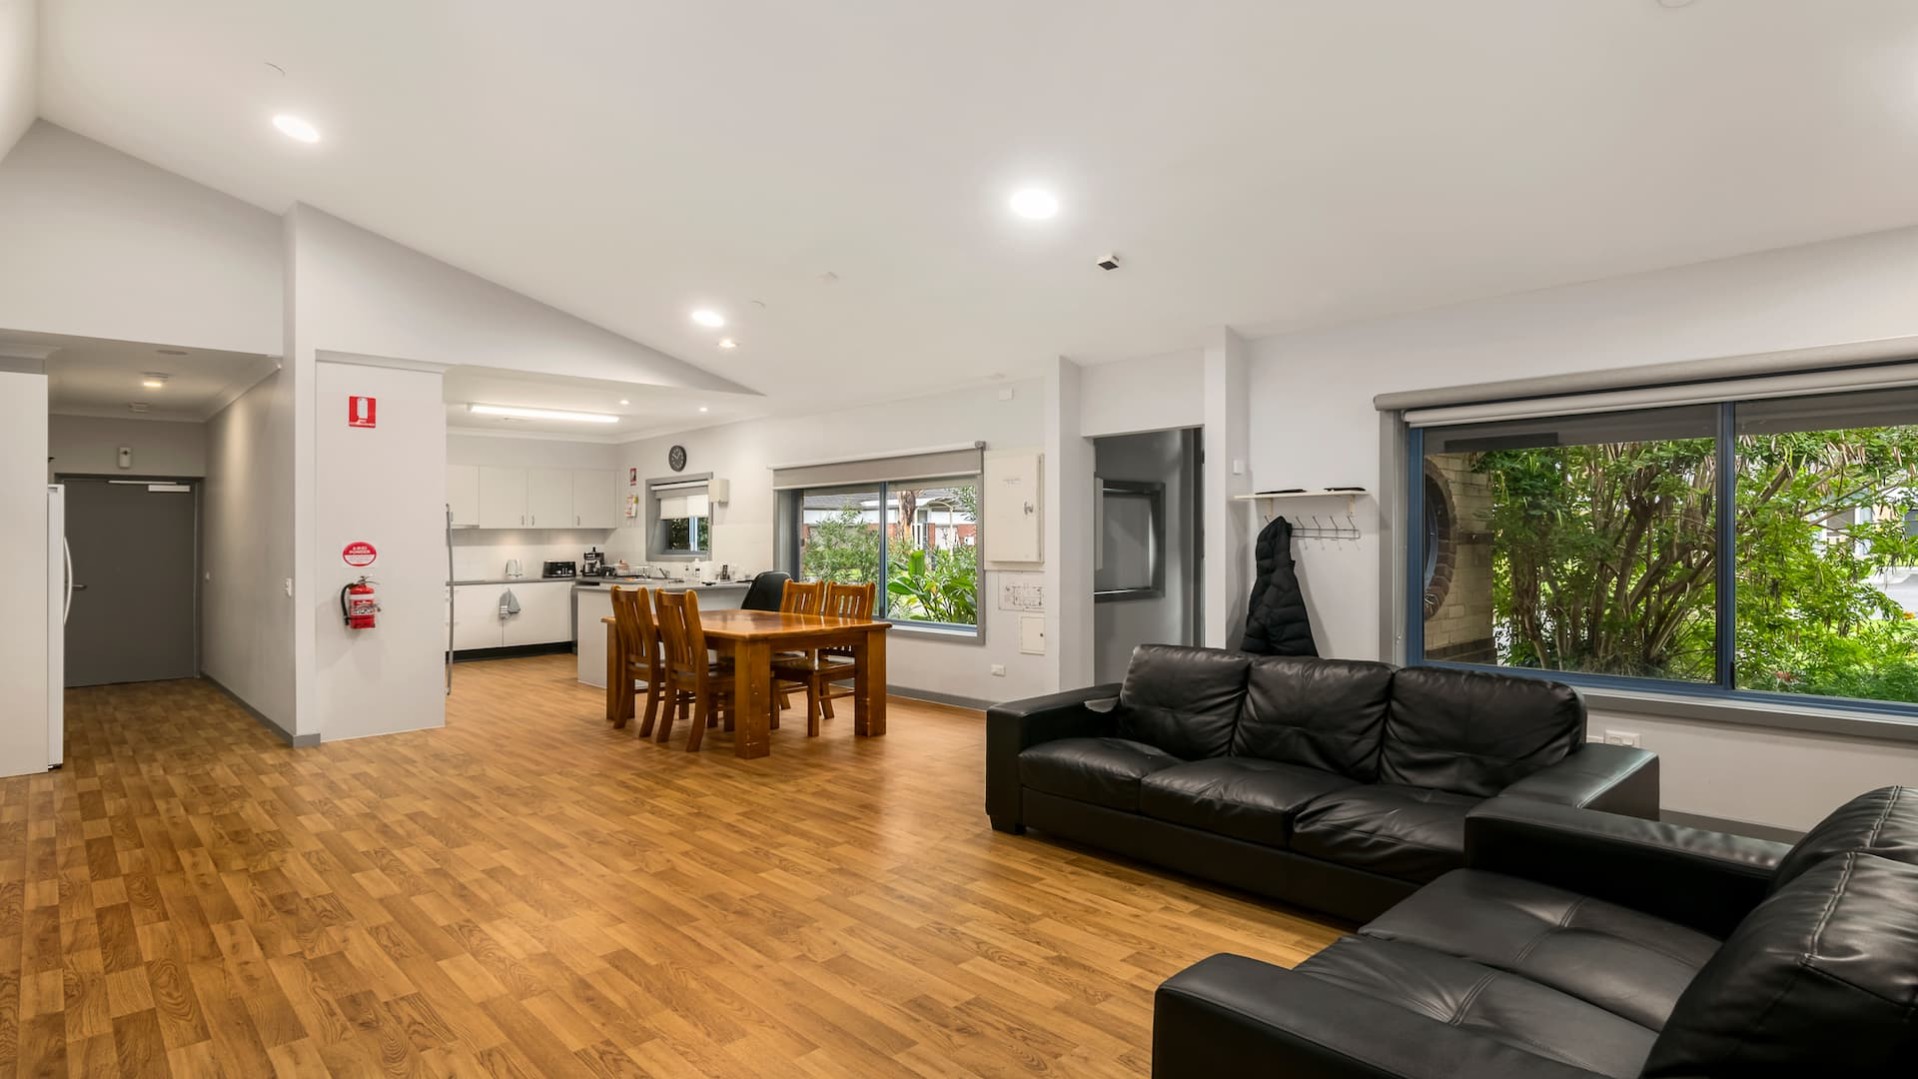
x=1581, y=944
x=1332, y=784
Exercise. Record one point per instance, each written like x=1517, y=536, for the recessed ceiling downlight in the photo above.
x=728, y=343
x=709, y=318
x=1035, y=203
x=294, y=127
x=511, y=412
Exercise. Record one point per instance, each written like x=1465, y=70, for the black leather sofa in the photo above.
x=1582, y=944
x=1333, y=784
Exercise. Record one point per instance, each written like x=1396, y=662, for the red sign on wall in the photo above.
x=359, y=554
x=362, y=411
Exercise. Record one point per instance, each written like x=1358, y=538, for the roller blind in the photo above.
x=679, y=500
x=1743, y=389
x=931, y=464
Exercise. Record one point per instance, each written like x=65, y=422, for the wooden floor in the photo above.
x=528, y=892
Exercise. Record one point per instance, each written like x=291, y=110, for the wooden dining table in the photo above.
x=751, y=638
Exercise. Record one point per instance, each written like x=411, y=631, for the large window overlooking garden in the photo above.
x=1753, y=547
x=918, y=540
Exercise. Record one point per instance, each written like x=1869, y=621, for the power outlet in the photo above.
x=998, y=670
x=1622, y=738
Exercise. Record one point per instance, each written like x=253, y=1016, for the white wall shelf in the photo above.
x=1311, y=526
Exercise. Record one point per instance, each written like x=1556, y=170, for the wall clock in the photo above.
x=676, y=458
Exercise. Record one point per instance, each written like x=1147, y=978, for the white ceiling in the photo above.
x=92, y=377
x=642, y=410
x=1266, y=164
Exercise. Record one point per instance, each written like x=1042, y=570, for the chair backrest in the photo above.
x=765, y=592
x=849, y=600
x=802, y=597
x=1819, y=979
x=680, y=633
x=633, y=622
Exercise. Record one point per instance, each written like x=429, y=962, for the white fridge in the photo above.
x=59, y=604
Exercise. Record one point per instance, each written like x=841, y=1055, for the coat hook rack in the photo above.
x=1315, y=526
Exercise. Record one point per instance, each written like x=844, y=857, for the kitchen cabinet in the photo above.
x=593, y=499
x=502, y=497
x=463, y=495
x=476, y=621
x=545, y=614
x=549, y=498
x=537, y=497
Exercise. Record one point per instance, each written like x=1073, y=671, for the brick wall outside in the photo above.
x=1461, y=628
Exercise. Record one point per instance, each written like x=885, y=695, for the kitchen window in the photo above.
x=679, y=522
x=1747, y=549
x=897, y=523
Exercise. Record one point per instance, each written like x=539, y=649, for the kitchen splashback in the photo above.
x=482, y=555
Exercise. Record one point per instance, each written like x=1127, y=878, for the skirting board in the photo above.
x=291, y=739
x=939, y=698
x=1735, y=827
x=514, y=651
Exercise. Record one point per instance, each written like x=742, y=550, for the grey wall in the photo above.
x=1119, y=626
x=91, y=445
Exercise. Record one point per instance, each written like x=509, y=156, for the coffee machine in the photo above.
x=594, y=559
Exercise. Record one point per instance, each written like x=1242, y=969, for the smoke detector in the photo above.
x=1107, y=262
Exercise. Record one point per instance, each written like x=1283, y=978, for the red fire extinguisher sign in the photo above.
x=362, y=411
x=359, y=554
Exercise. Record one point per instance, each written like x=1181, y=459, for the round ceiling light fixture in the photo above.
x=1035, y=203
x=728, y=343
x=709, y=318
x=293, y=127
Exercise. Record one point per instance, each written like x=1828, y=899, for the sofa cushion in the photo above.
x=1821, y=979
x=1183, y=700
x=1883, y=822
x=1103, y=771
x=1630, y=964
x=1402, y=832
x=1473, y=732
x=1327, y=714
x=1507, y=1007
x=1241, y=797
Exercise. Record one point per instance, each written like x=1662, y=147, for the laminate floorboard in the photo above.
x=529, y=892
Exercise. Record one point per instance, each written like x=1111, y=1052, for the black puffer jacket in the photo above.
x=1276, y=623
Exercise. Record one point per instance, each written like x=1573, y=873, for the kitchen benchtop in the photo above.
x=654, y=582
x=514, y=580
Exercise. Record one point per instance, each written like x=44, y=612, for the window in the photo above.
x=680, y=515
x=1749, y=547
x=919, y=540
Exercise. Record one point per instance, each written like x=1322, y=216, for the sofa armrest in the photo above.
x=1706, y=880
x=1015, y=725
x=1232, y=1016
x=1615, y=779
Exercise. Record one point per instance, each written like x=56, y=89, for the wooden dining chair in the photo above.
x=799, y=597
x=819, y=670
x=694, y=681
x=638, y=637
x=836, y=664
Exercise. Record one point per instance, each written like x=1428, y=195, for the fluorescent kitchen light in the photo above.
x=540, y=414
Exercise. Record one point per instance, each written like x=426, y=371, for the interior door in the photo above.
x=135, y=611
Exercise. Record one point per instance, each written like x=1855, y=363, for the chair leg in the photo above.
x=825, y=702
x=702, y=717
x=646, y=723
x=672, y=713
x=812, y=709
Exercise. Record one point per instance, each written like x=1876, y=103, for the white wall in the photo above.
x=385, y=485
x=743, y=527
x=99, y=244
x=23, y=590
x=19, y=45
x=246, y=536
x=1315, y=426
x=1121, y=625
x=1152, y=393
x=91, y=445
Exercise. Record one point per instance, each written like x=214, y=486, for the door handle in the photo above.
x=79, y=588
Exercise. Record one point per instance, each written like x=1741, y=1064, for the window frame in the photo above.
x=790, y=530
x=1717, y=700
x=655, y=550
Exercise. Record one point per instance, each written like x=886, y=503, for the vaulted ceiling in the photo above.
x=833, y=175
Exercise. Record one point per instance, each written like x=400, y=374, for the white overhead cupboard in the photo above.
x=482, y=496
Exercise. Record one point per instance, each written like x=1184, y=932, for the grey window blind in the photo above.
x=931, y=464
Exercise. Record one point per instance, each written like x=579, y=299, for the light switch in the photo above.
x=1032, y=634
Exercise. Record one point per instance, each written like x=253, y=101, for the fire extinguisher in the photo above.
x=358, y=605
